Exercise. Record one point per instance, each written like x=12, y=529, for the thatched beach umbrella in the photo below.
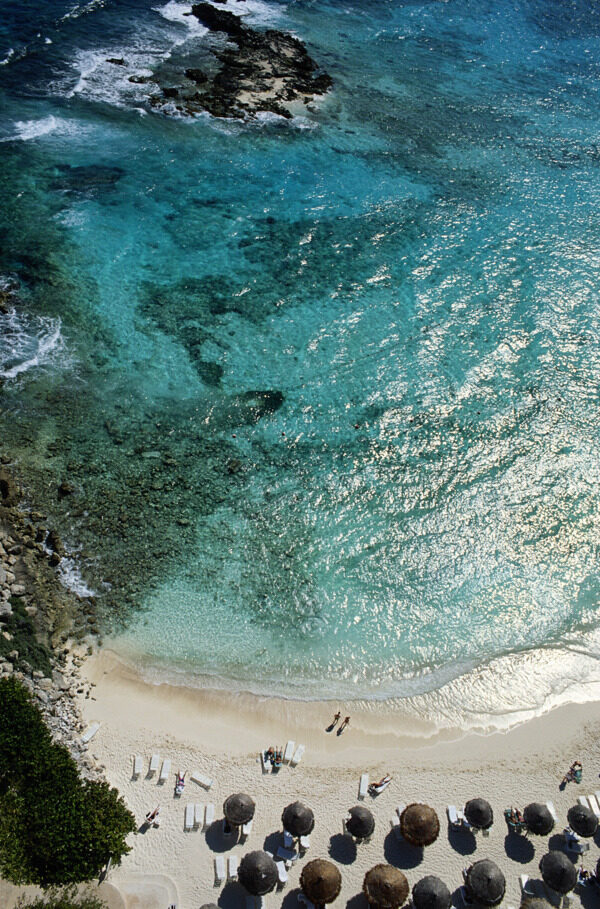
x=479, y=814
x=558, y=871
x=419, y=824
x=238, y=809
x=431, y=893
x=538, y=819
x=582, y=820
x=297, y=819
x=385, y=887
x=360, y=822
x=321, y=881
x=485, y=883
x=258, y=873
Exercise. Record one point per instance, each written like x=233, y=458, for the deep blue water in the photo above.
x=327, y=389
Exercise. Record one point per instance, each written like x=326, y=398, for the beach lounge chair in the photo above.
x=297, y=756
x=209, y=815
x=288, y=840
x=305, y=901
x=154, y=764
x=304, y=844
x=201, y=780
x=246, y=831
x=137, y=766
x=282, y=875
x=164, y=771
x=593, y=803
x=188, y=817
x=363, y=786
x=263, y=764
x=90, y=732
x=453, y=817
x=289, y=750
x=582, y=799
x=552, y=811
x=219, y=869
x=395, y=825
x=573, y=843
x=289, y=856
x=232, y=867
x=199, y=815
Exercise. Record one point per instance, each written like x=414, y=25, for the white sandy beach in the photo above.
x=220, y=735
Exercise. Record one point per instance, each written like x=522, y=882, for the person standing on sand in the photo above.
x=344, y=724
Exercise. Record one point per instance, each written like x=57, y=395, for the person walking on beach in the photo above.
x=344, y=725
x=334, y=722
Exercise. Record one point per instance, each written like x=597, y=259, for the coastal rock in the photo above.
x=9, y=491
x=116, y=61
x=65, y=489
x=260, y=71
x=55, y=543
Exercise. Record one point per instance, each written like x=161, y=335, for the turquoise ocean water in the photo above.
x=326, y=390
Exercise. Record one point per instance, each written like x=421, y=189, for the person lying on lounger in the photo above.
x=376, y=788
x=152, y=817
x=180, y=783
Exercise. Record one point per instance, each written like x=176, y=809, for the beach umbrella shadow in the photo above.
x=400, y=853
x=216, y=841
x=232, y=896
x=462, y=841
x=290, y=900
x=273, y=841
x=359, y=901
x=519, y=848
x=342, y=849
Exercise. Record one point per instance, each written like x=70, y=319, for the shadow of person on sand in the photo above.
x=342, y=849
x=462, y=841
x=519, y=848
x=400, y=853
x=217, y=841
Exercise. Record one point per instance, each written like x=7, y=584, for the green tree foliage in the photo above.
x=62, y=899
x=55, y=828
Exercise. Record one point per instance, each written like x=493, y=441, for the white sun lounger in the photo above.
x=219, y=869
x=202, y=780
x=199, y=815
x=453, y=816
x=289, y=750
x=137, y=765
x=165, y=771
x=232, y=869
x=363, y=786
x=154, y=762
x=304, y=842
x=297, y=756
x=246, y=830
x=90, y=732
x=209, y=815
x=593, y=803
x=583, y=801
x=395, y=824
x=282, y=875
x=573, y=842
x=188, y=817
x=552, y=811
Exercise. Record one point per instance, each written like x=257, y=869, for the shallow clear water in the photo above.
x=327, y=389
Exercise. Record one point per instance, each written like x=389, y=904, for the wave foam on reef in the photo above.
x=25, y=130
x=29, y=342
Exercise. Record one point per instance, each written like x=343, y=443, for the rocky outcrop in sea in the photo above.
x=259, y=71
